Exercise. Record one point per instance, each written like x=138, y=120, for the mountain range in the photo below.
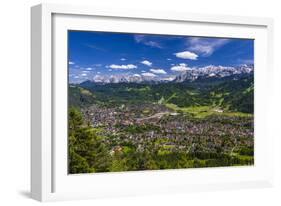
x=214, y=72
x=191, y=74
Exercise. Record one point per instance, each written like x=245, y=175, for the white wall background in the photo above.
x=15, y=95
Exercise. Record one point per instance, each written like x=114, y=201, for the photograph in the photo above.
x=140, y=102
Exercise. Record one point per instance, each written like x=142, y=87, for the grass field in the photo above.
x=205, y=111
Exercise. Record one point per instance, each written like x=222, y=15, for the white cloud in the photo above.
x=89, y=68
x=146, y=41
x=186, y=55
x=84, y=74
x=136, y=75
x=123, y=59
x=153, y=44
x=158, y=71
x=127, y=66
x=71, y=63
x=169, y=59
x=147, y=63
x=148, y=74
x=95, y=47
x=246, y=61
x=139, y=38
x=183, y=64
x=180, y=68
x=98, y=78
x=205, y=46
x=171, y=78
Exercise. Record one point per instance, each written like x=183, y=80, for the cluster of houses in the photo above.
x=161, y=127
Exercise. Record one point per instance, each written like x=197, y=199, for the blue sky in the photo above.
x=104, y=53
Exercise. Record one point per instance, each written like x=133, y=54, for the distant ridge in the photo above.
x=214, y=72
x=192, y=74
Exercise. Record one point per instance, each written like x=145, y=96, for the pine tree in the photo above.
x=87, y=153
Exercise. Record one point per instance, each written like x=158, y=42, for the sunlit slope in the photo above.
x=221, y=95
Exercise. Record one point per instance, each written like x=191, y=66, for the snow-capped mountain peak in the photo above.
x=192, y=74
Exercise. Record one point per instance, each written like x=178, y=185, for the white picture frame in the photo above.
x=49, y=178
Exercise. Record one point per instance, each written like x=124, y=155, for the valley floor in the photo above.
x=164, y=136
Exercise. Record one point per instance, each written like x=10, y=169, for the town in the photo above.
x=164, y=130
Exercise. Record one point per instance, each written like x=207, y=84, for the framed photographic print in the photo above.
x=137, y=102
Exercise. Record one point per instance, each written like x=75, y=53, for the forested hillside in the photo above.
x=226, y=93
